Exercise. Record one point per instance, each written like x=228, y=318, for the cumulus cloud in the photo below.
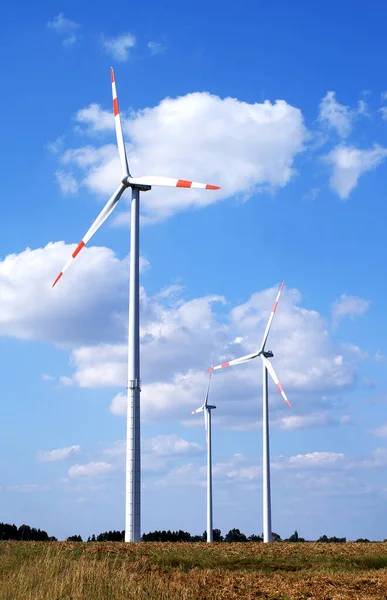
x=178, y=338
x=65, y=28
x=119, y=47
x=349, y=306
x=171, y=445
x=58, y=454
x=245, y=148
x=336, y=115
x=67, y=314
x=174, y=348
x=312, y=460
x=318, y=419
x=89, y=470
x=349, y=163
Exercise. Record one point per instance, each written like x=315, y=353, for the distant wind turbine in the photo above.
x=206, y=409
x=137, y=184
x=267, y=367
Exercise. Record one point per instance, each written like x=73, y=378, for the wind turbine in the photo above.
x=137, y=184
x=206, y=409
x=267, y=368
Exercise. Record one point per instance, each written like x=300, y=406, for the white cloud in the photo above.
x=362, y=108
x=178, y=338
x=311, y=460
x=336, y=115
x=171, y=445
x=58, y=454
x=383, y=112
x=348, y=306
x=349, y=163
x=156, y=48
x=176, y=341
x=67, y=182
x=291, y=422
x=95, y=120
x=245, y=148
x=119, y=47
x=67, y=314
x=91, y=469
x=64, y=27
x=380, y=431
x=354, y=350
x=118, y=405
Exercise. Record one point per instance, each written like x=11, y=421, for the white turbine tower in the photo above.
x=137, y=184
x=267, y=367
x=206, y=409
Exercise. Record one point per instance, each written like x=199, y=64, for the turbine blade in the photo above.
x=265, y=335
x=198, y=410
x=274, y=377
x=206, y=425
x=169, y=182
x=236, y=361
x=103, y=215
x=119, y=134
x=208, y=389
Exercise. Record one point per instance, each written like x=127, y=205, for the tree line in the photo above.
x=31, y=534
x=234, y=535
x=24, y=533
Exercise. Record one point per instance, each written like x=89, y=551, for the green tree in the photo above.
x=234, y=535
x=255, y=538
x=74, y=538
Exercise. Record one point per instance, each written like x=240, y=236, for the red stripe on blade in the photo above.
x=57, y=279
x=274, y=306
x=183, y=183
x=279, y=387
x=78, y=249
x=212, y=187
x=116, y=110
x=112, y=73
x=227, y=364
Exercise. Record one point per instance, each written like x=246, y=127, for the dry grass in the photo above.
x=153, y=571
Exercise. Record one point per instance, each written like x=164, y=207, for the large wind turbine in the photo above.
x=267, y=367
x=206, y=409
x=137, y=184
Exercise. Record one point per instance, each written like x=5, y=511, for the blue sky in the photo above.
x=284, y=106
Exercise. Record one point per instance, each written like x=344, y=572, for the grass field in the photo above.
x=155, y=571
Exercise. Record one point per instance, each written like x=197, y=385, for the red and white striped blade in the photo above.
x=274, y=377
x=265, y=335
x=119, y=134
x=103, y=215
x=169, y=182
x=208, y=389
x=236, y=361
x=198, y=410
